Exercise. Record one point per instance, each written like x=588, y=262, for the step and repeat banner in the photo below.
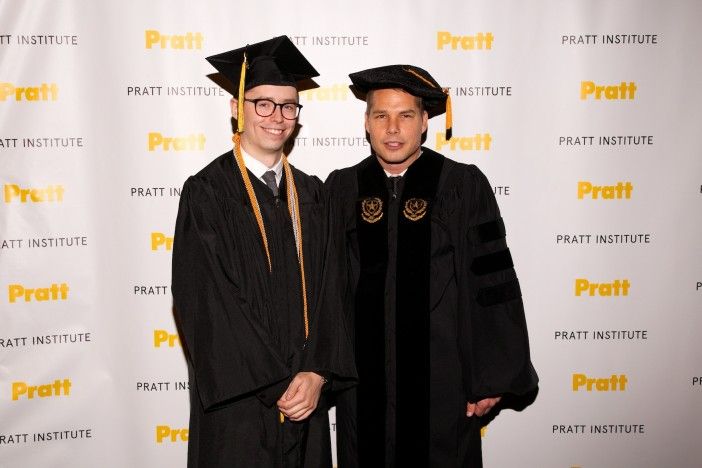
x=583, y=114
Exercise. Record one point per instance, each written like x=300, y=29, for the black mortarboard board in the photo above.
x=414, y=80
x=275, y=61
x=272, y=62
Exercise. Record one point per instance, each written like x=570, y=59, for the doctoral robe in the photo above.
x=436, y=311
x=242, y=325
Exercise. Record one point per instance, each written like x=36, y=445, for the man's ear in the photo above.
x=234, y=104
x=425, y=121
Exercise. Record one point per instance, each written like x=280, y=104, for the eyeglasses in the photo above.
x=266, y=108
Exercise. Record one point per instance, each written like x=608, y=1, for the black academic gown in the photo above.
x=436, y=310
x=242, y=325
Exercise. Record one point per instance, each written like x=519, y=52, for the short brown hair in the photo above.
x=369, y=98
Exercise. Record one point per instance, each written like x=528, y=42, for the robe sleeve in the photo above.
x=227, y=350
x=493, y=334
x=329, y=351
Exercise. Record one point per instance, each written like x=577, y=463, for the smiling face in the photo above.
x=395, y=122
x=264, y=137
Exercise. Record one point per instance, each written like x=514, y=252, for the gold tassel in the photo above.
x=409, y=70
x=449, y=116
x=449, y=113
x=240, y=98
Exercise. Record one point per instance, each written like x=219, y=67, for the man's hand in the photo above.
x=482, y=407
x=301, y=396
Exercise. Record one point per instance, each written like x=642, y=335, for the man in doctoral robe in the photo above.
x=439, y=328
x=254, y=291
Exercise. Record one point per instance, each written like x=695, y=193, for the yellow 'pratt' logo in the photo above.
x=159, y=240
x=483, y=431
x=415, y=209
x=615, y=288
x=52, y=193
x=371, y=209
x=45, y=92
x=57, y=388
x=191, y=142
x=615, y=383
x=605, y=192
x=162, y=337
x=55, y=292
x=167, y=433
x=477, y=142
x=612, y=92
x=479, y=41
x=336, y=92
x=154, y=39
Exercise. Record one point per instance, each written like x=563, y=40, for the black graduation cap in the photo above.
x=273, y=62
x=414, y=80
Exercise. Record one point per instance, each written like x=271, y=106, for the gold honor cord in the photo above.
x=252, y=195
x=293, y=208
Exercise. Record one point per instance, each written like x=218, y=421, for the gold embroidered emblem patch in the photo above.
x=371, y=209
x=415, y=209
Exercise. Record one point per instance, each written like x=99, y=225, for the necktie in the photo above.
x=269, y=179
x=394, y=185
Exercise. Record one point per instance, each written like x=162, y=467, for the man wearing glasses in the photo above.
x=256, y=303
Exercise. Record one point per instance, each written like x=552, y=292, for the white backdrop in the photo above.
x=91, y=372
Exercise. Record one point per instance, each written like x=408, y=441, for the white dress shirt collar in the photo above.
x=257, y=168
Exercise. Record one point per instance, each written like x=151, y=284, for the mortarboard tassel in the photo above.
x=449, y=113
x=240, y=101
x=449, y=116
